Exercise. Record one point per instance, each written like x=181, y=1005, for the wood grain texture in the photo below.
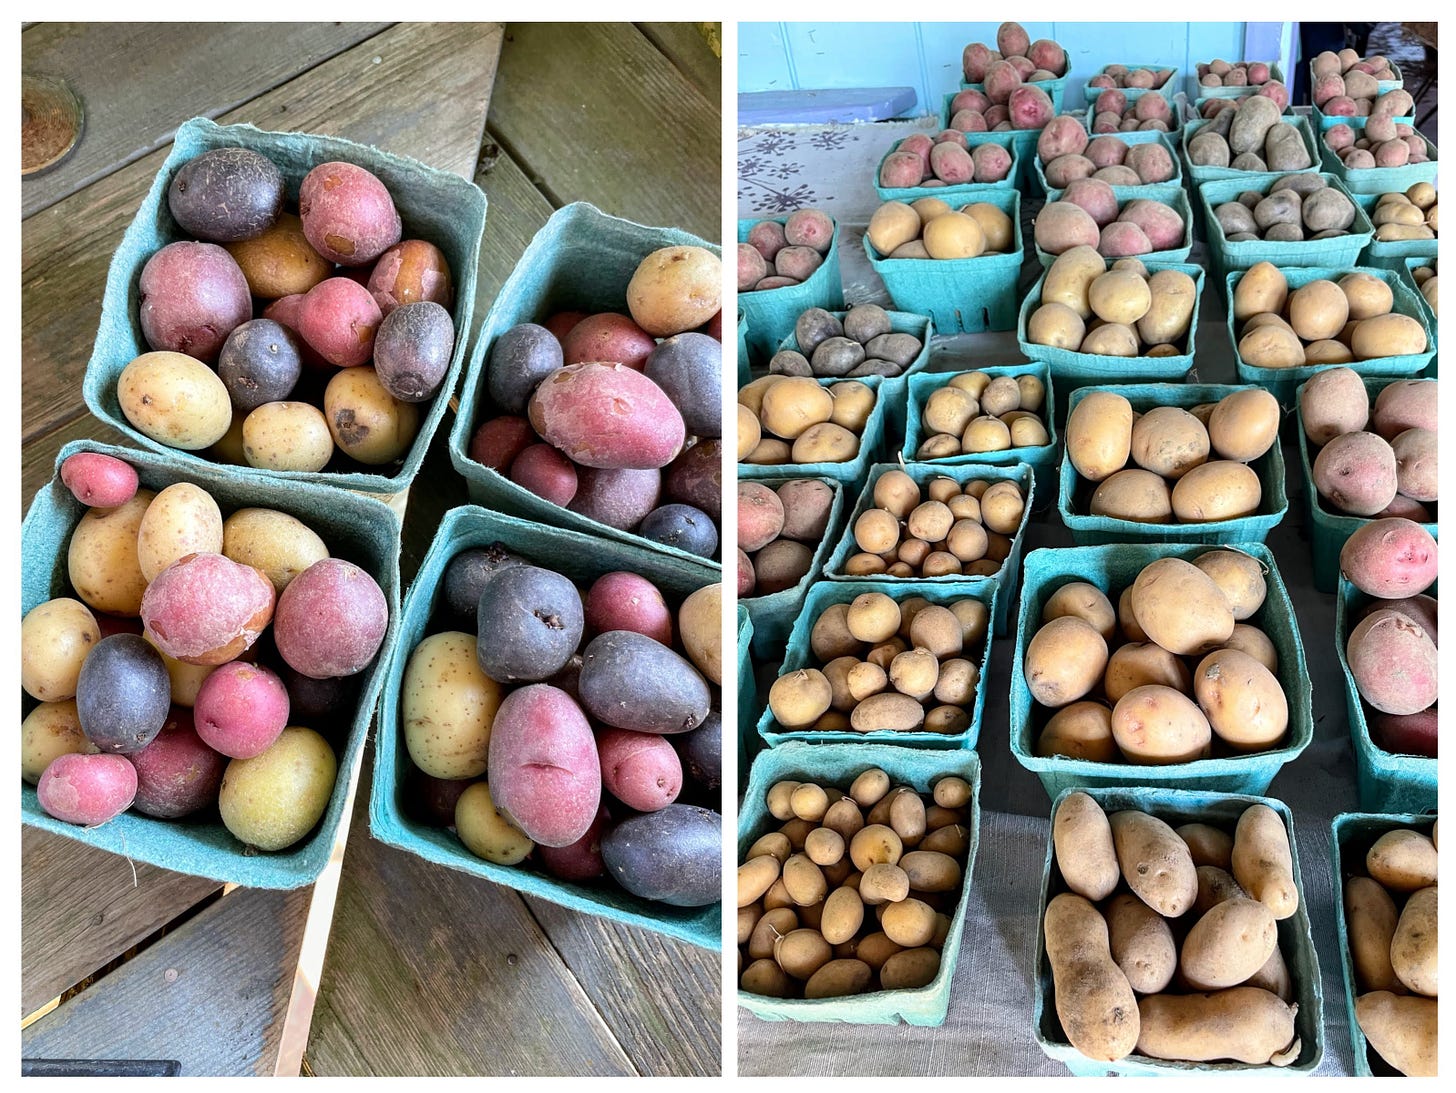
x=202, y=995
x=79, y=910
x=594, y=115
x=447, y=68
x=684, y=45
x=515, y=212
x=133, y=107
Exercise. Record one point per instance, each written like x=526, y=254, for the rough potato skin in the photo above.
x=260, y=362
x=1155, y=862
x=530, y=622
x=192, y=295
x=87, y=789
x=618, y=498
x=206, y=608
x=410, y=272
x=608, y=416
x=331, y=620
x=1245, y=1024
x=226, y=194
x=347, y=213
x=1390, y=558
x=1094, y=1001
x=412, y=350
x=544, y=772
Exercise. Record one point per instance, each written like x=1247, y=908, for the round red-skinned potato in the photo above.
x=339, y=320
x=627, y=601
x=101, y=481
x=546, y=473
x=411, y=272
x=1390, y=558
x=581, y=860
x=192, y=295
x=241, y=709
x=608, y=337
x=642, y=770
x=87, y=789
x=497, y=442
x=347, y=213
x=675, y=289
x=177, y=774
x=607, y=416
x=206, y=608
x=544, y=772
x=1406, y=734
x=330, y=620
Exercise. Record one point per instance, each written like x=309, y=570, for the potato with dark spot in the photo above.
x=175, y=399
x=412, y=350
x=192, y=295
x=87, y=789
x=367, y=422
x=347, y=213
x=259, y=363
x=411, y=272
x=448, y=706
x=50, y=730
x=544, y=772
x=519, y=360
x=226, y=194
x=207, y=609
x=632, y=682
x=123, y=694
x=273, y=800
x=529, y=621
x=56, y=637
x=672, y=855
x=330, y=620
x=177, y=773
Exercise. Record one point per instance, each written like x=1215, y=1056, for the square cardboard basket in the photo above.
x=1113, y=569
x=1352, y=835
x=748, y=741
x=581, y=259
x=443, y=208
x=771, y=313
x=1296, y=942
x=873, y=441
x=356, y=528
x=838, y=765
x=581, y=558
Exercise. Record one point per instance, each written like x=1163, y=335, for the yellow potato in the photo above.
x=1064, y=661
x=793, y=405
x=50, y=730
x=1141, y=943
x=1263, y=863
x=1413, y=946
x=1099, y=435
x=1133, y=494
x=288, y=436
x=893, y=224
x=996, y=226
x=1156, y=725
x=55, y=638
x=1169, y=441
x=102, y=562
x=279, y=545
x=486, y=831
x=1178, y=606
x=448, y=706
x=1170, y=312
x=1245, y=424
x=1094, y=1001
x=1082, y=730
x=1082, y=843
x=1228, y=944
x=1402, y=1030
x=1218, y=490
x=1070, y=277
x=1243, y=1024
x=1262, y=288
x=182, y=519
x=1403, y=860
x=1239, y=577
x=1155, y=862
x=175, y=399
x=1243, y=701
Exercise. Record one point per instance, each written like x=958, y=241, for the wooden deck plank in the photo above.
x=198, y=995
x=661, y=997
x=79, y=910
x=592, y=113
x=132, y=109
x=515, y=212
x=63, y=271
x=685, y=45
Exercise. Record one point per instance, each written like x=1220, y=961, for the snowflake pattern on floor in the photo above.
x=769, y=172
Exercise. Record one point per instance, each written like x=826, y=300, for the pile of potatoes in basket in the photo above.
x=208, y=663
x=1346, y=83
x=1381, y=142
x=1170, y=444
x=863, y=343
x=1166, y=942
x=1321, y=322
x=945, y=160
x=1005, y=96
x=575, y=727
x=1220, y=73
x=855, y=892
x=795, y=419
x=976, y=412
x=777, y=254
x=946, y=529
x=1391, y=650
x=888, y=667
x=1253, y=136
x=929, y=228
x=1374, y=459
x=1293, y=209
x=1122, y=311
x=778, y=530
x=1088, y=214
x=1414, y=214
x=1112, y=113
x=1390, y=923
x=1425, y=277
x=1068, y=152
x=1174, y=668
x=1139, y=78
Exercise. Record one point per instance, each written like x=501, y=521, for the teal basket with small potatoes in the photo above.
x=1382, y=86
x=1042, y=459
x=1010, y=572
x=961, y=295
x=1390, y=254
x=749, y=743
x=1072, y=369
x=1227, y=256
x=1387, y=782
x=1169, y=87
x=771, y=313
x=838, y=765
x=1056, y=90
x=1199, y=175
x=946, y=191
x=1324, y=122
x=1021, y=143
x=1408, y=278
x=851, y=472
x=1090, y=530
x=356, y=528
x=773, y=615
x=1175, y=197
x=1276, y=75
x=435, y=205
x=1283, y=381
x=744, y=374
x=583, y=558
x=800, y=655
x=1123, y=193
x=1351, y=835
x=1381, y=180
x=1112, y=569
x=1176, y=807
x=1328, y=529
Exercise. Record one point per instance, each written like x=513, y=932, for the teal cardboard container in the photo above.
x=1296, y=942
x=1387, y=782
x=359, y=529
x=968, y=190
x=1393, y=253
x=436, y=205
x=1283, y=381
x=1112, y=569
x=800, y=655
x=582, y=558
x=1381, y=180
x=773, y=615
x=1168, y=194
x=1199, y=175
x=771, y=314
x=1123, y=193
x=871, y=442
x=1169, y=87
x=1006, y=577
x=960, y=295
x=1072, y=369
x=1276, y=75
x=1352, y=834
x=581, y=259
x=743, y=364
x=1328, y=530
x=838, y=765
x=748, y=742
x=1042, y=460
x=1343, y=250
x=1324, y=122
x=1089, y=530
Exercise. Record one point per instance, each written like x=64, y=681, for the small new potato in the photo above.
x=485, y=831
x=55, y=638
x=273, y=800
x=175, y=400
x=101, y=561
x=675, y=289
x=287, y=436
x=182, y=519
x=448, y=706
x=279, y=545
x=368, y=423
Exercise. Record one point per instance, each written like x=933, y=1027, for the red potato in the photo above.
x=1405, y=404
x=607, y=416
x=1356, y=473
x=696, y=478
x=640, y=769
x=544, y=772
x=561, y=323
x=547, y=473
x=1062, y=136
x=1002, y=78
x=809, y=228
x=901, y=170
x=746, y=577
x=970, y=99
x=87, y=789
x=968, y=121
x=1152, y=162
x=1123, y=240
x=411, y=272
x=767, y=237
x=1030, y=108
x=1047, y=55
x=1061, y=226
x=752, y=268
x=1012, y=40
x=430, y=800
x=627, y=601
x=284, y=311
x=608, y=336
x=206, y=608
x=192, y=296
x=976, y=58
x=347, y=213
x=952, y=164
x=101, y=481
x=1406, y=734
x=177, y=773
x=1421, y=610
x=1390, y=558
x=581, y=860
x=498, y=441
x=339, y=319
x=241, y=709
x=760, y=516
x=1107, y=151
x=619, y=498
x=1096, y=197
x=993, y=163
x=1394, y=663
x=1160, y=223
x=331, y=620
x=798, y=263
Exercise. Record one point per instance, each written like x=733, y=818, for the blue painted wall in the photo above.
x=927, y=56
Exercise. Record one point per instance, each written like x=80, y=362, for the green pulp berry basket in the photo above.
x=1089, y=530
x=1112, y=569
x=1200, y=175
x=770, y=314
x=1168, y=87
x=1296, y=941
x=1381, y=180
x=1389, y=254
x=1021, y=143
x=749, y=743
x=1123, y=193
x=1167, y=194
x=743, y=367
x=838, y=765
